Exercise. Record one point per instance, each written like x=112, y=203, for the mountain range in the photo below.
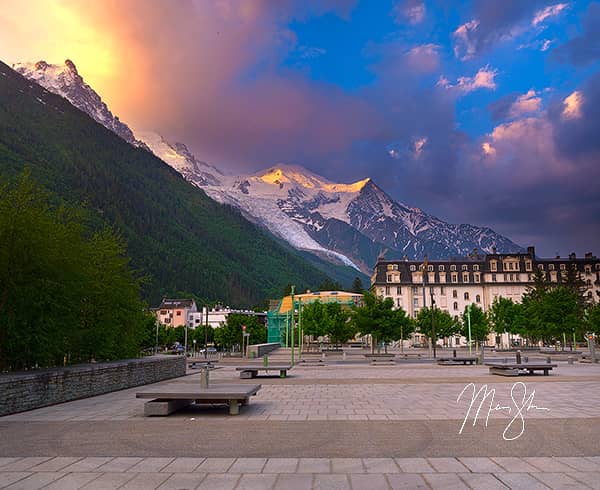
x=179, y=240
x=344, y=224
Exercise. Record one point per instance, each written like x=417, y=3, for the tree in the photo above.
x=229, y=334
x=376, y=317
x=67, y=292
x=506, y=316
x=593, y=319
x=445, y=324
x=327, y=319
x=480, y=325
x=329, y=285
x=357, y=286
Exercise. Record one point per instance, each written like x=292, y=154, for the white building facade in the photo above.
x=476, y=279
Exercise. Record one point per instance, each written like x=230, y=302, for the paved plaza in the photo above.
x=335, y=426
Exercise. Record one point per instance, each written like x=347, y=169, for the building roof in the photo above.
x=176, y=303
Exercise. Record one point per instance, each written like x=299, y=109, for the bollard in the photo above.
x=518, y=357
x=204, y=377
x=265, y=360
x=548, y=360
x=454, y=353
x=570, y=359
x=344, y=355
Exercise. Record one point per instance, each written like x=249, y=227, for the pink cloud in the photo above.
x=424, y=58
x=485, y=78
x=547, y=12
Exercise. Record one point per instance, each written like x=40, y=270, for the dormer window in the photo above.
x=413, y=268
x=550, y=267
x=528, y=265
x=465, y=267
x=563, y=267
x=441, y=268
x=452, y=267
x=493, y=265
x=476, y=267
x=541, y=267
x=430, y=268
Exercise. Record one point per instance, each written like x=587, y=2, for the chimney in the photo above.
x=405, y=258
x=572, y=256
x=475, y=252
x=531, y=251
x=588, y=255
x=494, y=250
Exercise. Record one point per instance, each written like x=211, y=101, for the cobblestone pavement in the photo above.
x=298, y=473
x=292, y=432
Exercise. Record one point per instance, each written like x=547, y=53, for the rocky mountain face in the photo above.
x=347, y=224
x=64, y=80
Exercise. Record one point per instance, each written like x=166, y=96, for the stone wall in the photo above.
x=34, y=389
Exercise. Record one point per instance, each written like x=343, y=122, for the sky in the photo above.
x=484, y=111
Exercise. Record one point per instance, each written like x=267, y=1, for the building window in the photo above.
x=454, y=277
x=442, y=292
x=398, y=290
x=163, y=312
x=478, y=298
x=197, y=320
x=550, y=267
x=563, y=267
x=430, y=268
x=390, y=278
x=392, y=267
x=465, y=267
x=178, y=313
x=476, y=267
x=493, y=277
x=465, y=277
x=452, y=267
x=466, y=295
x=588, y=269
x=167, y=320
x=416, y=302
x=589, y=283
x=387, y=290
x=455, y=306
x=541, y=267
x=493, y=265
x=454, y=293
x=598, y=267
x=528, y=265
x=441, y=268
x=413, y=268
x=511, y=266
x=398, y=302
x=477, y=277
x=415, y=290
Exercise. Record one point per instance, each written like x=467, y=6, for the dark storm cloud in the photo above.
x=491, y=22
x=584, y=49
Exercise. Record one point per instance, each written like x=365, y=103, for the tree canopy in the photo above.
x=67, y=294
x=445, y=324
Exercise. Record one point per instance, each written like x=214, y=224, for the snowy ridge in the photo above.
x=64, y=80
x=348, y=224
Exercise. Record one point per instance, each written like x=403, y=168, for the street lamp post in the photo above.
x=194, y=349
x=206, y=336
x=469, y=325
x=156, y=343
x=433, y=323
x=292, y=325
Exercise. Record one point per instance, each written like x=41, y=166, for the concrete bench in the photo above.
x=453, y=361
x=247, y=372
x=406, y=355
x=380, y=358
x=514, y=369
x=202, y=364
x=167, y=399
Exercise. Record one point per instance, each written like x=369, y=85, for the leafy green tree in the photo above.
x=560, y=314
x=445, y=324
x=357, y=285
x=593, y=319
x=313, y=315
x=480, y=325
x=230, y=334
x=67, y=293
x=377, y=317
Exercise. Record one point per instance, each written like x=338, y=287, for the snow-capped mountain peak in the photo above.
x=66, y=81
x=299, y=176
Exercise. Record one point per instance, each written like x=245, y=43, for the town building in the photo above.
x=218, y=315
x=476, y=279
x=175, y=312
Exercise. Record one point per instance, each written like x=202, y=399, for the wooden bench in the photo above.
x=454, y=361
x=251, y=371
x=380, y=358
x=514, y=369
x=167, y=399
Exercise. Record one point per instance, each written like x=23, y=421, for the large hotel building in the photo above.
x=475, y=279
